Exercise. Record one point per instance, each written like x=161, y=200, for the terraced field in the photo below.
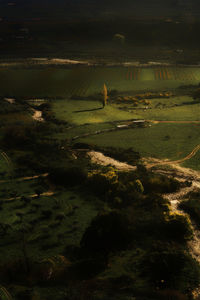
x=84, y=81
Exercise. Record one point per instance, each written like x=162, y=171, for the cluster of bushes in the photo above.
x=120, y=253
x=140, y=249
x=134, y=100
x=191, y=205
x=134, y=244
x=23, y=136
x=19, y=137
x=134, y=220
x=154, y=95
x=19, y=278
x=48, y=114
x=144, y=98
x=121, y=188
x=69, y=175
x=196, y=94
x=160, y=184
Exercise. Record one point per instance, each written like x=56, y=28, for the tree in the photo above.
x=107, y=232
x=105, y=95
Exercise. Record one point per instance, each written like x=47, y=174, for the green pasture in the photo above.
x=172, y=141
x=179, y=108
x=87, y=80
x=88, y=112
x=79, y=112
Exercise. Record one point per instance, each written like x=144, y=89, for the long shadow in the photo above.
x=86, y=110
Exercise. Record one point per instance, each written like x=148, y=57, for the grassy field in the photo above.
x=87, y=116
x=162, y=140
x=82, y=112
x=172, y=141
x=182, y=108
x=178, y=108
x=40, y=219
x=84, y=81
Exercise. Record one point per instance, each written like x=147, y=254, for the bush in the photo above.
x=19, y=136
x=178, y=227
x=160, y=184
x=68, y=176
x=107, y=232
x=102, y=181
x=192, y=207
x=171, y=268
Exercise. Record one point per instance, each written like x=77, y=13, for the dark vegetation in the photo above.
x=120, y=240
x=144, y=39
x=191, y=205
x=134, y=245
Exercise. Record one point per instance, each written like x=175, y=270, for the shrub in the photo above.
x=192, y=207
x=68, y=176
x=138, y=186
x=101, y=181
x=107, y=232
x=171, y=268
x=177, y=227
x=160, y=184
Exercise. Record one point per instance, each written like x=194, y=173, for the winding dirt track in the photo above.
x=189, y=156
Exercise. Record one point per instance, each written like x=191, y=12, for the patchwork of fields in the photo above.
x=89, y=119
x=84, y=81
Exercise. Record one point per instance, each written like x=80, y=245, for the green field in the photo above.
x=82, y=112
x=45, y=216
x=86, y=116
x=172, y=141
x=180, y=108
x=84, y=81
x=161, y=140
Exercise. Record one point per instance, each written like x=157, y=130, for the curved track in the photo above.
x=189, y=156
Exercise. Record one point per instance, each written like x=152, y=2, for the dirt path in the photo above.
x=100, y=158
x=189, y=156
x=26, y=178
x=45, y=194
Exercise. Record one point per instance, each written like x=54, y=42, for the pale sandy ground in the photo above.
x=101, y=159
x=67, y=61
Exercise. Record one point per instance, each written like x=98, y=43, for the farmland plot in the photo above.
x=85, y=80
